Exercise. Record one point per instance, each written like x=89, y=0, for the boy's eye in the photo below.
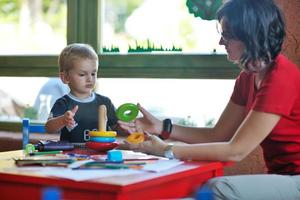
x=81, y=74
x=93, y=74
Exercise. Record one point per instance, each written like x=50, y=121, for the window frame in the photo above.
x=83, y=25
x=82, y=18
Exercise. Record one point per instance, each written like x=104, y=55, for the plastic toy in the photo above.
x=102, y=134
x=102, y=140
x=136, y=138
x=114, y=156
x=102, y=146
x=29, y=149
x=127, y=112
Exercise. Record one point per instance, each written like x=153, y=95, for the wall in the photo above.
x=291, y=47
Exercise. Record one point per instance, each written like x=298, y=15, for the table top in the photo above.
x=179, y=181
x=6, y=162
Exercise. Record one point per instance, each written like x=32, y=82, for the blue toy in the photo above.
x=114, y=156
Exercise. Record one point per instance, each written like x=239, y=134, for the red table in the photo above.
x=179, y=182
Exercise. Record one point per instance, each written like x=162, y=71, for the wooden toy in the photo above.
x=102, y=140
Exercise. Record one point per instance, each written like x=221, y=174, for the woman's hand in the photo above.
x=147, y=123
x=127, y=127
x=152, y=145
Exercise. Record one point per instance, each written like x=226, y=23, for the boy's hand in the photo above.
x=69, y=118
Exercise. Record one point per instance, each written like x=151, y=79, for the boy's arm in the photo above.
x=54, y=125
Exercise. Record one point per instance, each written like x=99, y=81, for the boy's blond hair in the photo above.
x=75, y=51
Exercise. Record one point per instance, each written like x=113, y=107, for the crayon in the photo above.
x=38, y=153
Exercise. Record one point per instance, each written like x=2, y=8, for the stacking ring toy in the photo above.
x=102, y=146
x=136, y=138
x=127, y=112
x=102, y=133
x=103, y=139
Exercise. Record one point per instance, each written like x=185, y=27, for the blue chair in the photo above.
x=28, y=128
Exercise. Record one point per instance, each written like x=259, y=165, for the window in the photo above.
x=93, y=22
x=192, y=102
x=86, y=24
x=157, y=26
x=159, y=39
x=188, y=101
x=32, y=27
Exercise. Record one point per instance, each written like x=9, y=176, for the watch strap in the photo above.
x=167, y=129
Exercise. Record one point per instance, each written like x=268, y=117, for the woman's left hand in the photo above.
x=152, y=145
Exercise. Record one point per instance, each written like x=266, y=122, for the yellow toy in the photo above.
x=136, y=138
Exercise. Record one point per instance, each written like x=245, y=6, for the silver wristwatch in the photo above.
x=169, y=152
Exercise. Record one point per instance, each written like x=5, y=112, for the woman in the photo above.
x=264, y=109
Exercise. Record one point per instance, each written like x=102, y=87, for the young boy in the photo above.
x=76, y=113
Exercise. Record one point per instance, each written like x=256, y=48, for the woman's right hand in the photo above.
x=147, y=123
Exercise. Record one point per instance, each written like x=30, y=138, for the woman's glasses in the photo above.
x=226, y=36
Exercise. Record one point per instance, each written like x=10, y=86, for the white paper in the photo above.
x=87, y=174
x=162, y=165
x=76, y=175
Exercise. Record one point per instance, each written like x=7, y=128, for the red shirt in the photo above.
x=279, y=93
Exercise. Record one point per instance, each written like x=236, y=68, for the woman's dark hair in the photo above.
x=259, y=24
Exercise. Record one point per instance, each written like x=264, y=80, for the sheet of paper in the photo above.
x=87, y=174
x=81, y=175
x=76, y=175
x=127, y=154
x=162, y=165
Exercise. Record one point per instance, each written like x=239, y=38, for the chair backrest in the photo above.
x=28, y=128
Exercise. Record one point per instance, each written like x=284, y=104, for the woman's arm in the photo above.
x=252, y=131
x=226, y=126
x=232, y=139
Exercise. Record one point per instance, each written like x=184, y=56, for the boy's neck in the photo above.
x=82, y=99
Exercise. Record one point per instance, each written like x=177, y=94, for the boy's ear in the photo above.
x=63, y=77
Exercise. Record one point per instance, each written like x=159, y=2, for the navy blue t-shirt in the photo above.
x=86, y=115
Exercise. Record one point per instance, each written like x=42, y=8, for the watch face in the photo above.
x=169, y=152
